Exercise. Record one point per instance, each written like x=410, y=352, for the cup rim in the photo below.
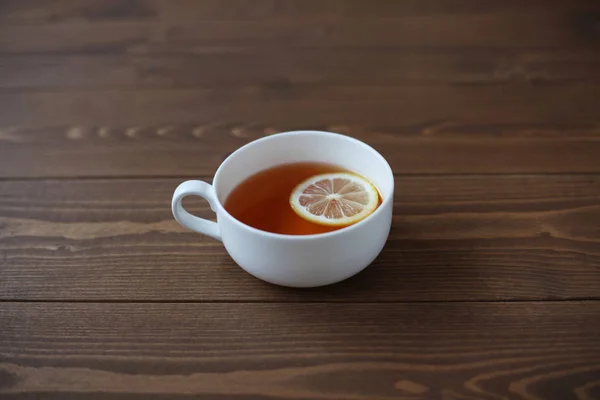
x=257, y=142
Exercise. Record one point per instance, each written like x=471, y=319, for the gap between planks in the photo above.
x=582, y=300
x=202, y=176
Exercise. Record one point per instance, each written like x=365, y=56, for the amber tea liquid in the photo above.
x=263, y=200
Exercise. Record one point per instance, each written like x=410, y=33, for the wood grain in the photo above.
x=339, y=66
x=434, y=129
x=19, y=12
x=305, y=104
x=453, y=238
x=309, y=351
x=98, y=88
x=119, y=29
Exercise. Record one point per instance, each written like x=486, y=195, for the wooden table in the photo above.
x=488, y=111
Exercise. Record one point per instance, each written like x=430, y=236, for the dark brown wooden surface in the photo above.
x=301, y=351
x=488, y=112
x=453, y=238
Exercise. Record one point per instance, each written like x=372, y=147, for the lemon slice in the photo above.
x=334, y=199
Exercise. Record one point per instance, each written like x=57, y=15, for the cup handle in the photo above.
x=195, y=188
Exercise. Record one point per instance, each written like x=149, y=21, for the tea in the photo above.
x=263, y=200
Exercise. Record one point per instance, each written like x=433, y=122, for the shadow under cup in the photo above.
x=307, y=260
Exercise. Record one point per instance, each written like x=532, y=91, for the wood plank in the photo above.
x=310, y=105
x=307, y=66
x=310, y=351
x=433, y=129
x=453, y=238
x=135, y=156
x=503, y=30
x=37, y=12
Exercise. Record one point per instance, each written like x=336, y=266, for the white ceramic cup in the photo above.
x=295, y=260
